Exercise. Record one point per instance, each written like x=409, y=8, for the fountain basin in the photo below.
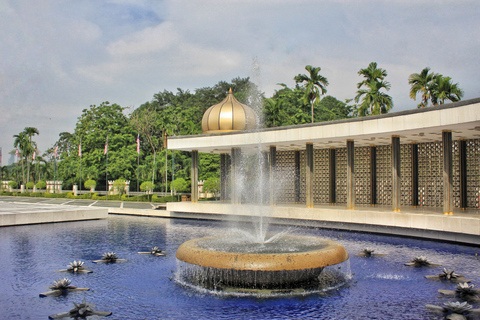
x=289, y=262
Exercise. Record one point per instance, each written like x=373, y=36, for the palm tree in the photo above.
x=443, y=89
x=30, y=132
x=22, y=143
x=315, y=85
x=422, y=82
x=373, y=100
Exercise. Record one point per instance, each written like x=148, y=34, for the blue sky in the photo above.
x=58, y=57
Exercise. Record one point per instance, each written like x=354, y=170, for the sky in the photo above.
x=58, y=57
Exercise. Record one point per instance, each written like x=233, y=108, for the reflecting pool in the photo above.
x=144, y=287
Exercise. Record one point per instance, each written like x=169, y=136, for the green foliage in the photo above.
x=12, y=184
x=147, y=186
x=90, y=184
x=55, y=195
x=120, y=186
x=41, y=185
x=179, y=185
x=315, y=86
x=212, y=185
x=30, y=185
x=373, y=100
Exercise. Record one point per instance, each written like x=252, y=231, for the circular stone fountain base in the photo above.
x=288, y=263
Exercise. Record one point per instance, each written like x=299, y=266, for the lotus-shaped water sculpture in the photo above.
x=368, y=252
x=81, y=310
x=76, y=267
x=109, y=257
x=421, y=262
x=455, y=310
x=155, y=251
x=449, y=275
x=464, y=291
x=61, y=286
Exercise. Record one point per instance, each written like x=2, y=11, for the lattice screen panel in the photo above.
x=341, y=175
x=456, y=173
x=362, y=175
x=384, y=175
x=285, y=177
x=473, y=173
x=321, y=175
x=430, y=176
x=406, y=174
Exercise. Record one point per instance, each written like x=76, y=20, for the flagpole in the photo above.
x=138, y=160
x=106, y=166
x=80, y=155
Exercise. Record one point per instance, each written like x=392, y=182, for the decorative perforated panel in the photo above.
x=321, y=176
x=341, y=175
x=406, y=174
x=473, y=173
x=362, y=175
x=430, y=176
x=286, y=177
x=384, y=175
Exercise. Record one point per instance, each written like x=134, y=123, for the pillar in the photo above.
x=273, y=175
x=235, y=193
x=194, y=176
x=297, y=176
x=373, y=175
x=309, y=175
x=414, y=174
x=447, y=172
x=350, y=174
x=463, y=173
x=332, y=182
x=396, y=176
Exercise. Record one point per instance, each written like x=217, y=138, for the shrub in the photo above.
x=119, y=185
x=179, y=185
x=212, y=185
x=89, y=184
x=30, y=185
x=12, y=184
x=41, y=185
x=147, y=186
x=55, y=195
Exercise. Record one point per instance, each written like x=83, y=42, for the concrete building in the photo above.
x=422, y=158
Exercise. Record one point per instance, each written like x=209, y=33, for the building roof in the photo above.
x=416, y=125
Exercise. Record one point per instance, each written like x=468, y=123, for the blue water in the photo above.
x=141, y=288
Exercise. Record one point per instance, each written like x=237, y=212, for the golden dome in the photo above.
x=228, y=115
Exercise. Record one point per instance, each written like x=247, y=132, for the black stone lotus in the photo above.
x=155, y=251
x=455, y=310
x=109, y=257
x=61, y=286
x=76, y=267
x=448, y=275
x=421, y=262
x=368, y=252
x=464, y=292
x=81, y=311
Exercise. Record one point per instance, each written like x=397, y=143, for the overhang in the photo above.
x=417, y=125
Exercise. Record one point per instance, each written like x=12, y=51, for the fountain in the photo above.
x=252, y=262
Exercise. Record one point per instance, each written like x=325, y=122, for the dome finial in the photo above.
x=230, y=91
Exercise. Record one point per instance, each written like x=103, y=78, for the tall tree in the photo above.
x=373, y=100
x=30, y=132
x=422, y=82
x=444, y=89
x=315, y=85
x=22, y=144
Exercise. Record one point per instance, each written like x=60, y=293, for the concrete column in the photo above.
x=22, y=188
x=447, y=172
x=273, y=175
x=396, y=175
x=373, y=175
x=414, y=174
x=309, y=175
x=297, y=176
x=236, y=176
x=332, y=182
x=194, y=176
x=75, y=190
x=463, y=173
x=350, y=174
